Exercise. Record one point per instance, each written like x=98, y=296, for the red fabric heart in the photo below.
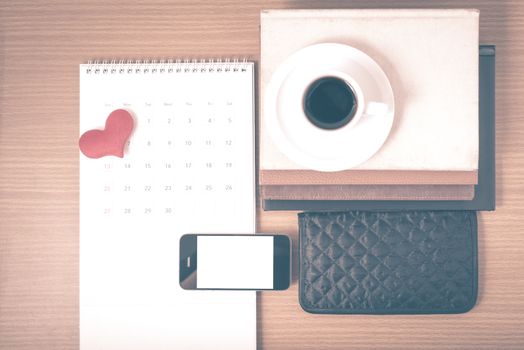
x=110, y=141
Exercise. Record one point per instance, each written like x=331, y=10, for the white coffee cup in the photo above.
x=328, y=149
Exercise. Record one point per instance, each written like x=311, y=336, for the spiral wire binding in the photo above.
x=170, y=65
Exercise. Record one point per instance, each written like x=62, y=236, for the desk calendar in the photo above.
x=188, y=167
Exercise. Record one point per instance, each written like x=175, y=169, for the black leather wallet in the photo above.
x=403, y=262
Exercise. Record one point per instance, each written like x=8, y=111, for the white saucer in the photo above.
x=320, y=149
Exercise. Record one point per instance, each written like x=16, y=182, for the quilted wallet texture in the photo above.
x=410, y=262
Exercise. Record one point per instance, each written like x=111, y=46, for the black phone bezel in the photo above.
x=281, y=262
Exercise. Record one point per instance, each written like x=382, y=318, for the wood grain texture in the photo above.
x=41, y=45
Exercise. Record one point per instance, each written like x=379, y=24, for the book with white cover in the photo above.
x=431, y=60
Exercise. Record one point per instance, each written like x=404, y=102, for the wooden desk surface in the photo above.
x=41, y=45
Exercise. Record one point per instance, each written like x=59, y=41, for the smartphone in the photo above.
x=235, y=262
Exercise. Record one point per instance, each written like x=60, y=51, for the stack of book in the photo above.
x=440, y=150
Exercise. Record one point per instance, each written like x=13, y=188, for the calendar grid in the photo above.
x=188, y=167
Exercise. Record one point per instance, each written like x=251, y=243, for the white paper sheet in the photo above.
x=188, y=168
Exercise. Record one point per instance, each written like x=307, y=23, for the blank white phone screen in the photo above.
x=235, y=262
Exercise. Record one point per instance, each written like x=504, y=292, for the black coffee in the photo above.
x=330, y=103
